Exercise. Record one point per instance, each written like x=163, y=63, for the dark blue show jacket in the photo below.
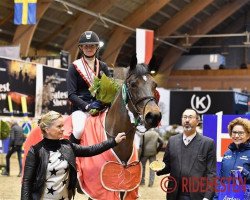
x=236, y=157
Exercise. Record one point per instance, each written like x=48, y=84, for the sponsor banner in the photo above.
x=54, y=93
x=206, y=102
x=17, y=79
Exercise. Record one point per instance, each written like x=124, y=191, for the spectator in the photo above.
x=151, y=145
x=243, y=66
x=190, y=155
x=221, y=66
x=237, y=157
x=206, y=67
x=17, y=139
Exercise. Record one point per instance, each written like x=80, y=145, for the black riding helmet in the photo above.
x=89, y=37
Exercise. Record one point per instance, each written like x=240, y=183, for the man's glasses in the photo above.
x=240, y=133
x=185, y=117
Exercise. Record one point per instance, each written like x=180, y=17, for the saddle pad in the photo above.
x=118, y=177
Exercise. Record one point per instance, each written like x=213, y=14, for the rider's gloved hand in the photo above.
x=94, y=107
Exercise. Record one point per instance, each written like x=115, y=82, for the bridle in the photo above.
x=134, y=103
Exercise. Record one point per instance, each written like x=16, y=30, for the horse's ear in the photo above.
x=133, y=62
x=152, y=63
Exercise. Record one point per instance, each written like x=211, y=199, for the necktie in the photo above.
x=186, y=141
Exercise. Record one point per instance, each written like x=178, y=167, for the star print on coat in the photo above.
x=51, y=190
x=61, y=158
x=65, y=181
x=57, y=178
x=53, y=172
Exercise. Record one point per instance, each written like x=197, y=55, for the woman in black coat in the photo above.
x=50, y=167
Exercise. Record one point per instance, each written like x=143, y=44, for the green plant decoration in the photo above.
x=4, y=130
x=104, y=89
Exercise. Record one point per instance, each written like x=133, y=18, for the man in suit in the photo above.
x=190, y=156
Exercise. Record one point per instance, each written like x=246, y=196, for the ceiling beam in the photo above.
x=55, y=33
x=135, y=20
x=234, y=27
x=181, y=18
x=7, y=18
x=207, y=25
x=85, y=22
x=24, y=33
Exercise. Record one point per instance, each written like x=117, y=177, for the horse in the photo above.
x=138, y=93
x=134, y=104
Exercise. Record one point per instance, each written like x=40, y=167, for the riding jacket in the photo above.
x=236, y=157
x=78, y=88
x=37, y=160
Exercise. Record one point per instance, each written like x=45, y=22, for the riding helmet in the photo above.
x=89, y=37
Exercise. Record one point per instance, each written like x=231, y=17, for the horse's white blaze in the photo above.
x=145, y=78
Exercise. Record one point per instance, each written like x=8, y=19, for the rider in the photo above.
x=80, y=77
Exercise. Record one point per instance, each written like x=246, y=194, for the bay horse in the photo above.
x=139, y=94
x=134, y=104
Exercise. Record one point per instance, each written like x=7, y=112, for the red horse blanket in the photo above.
x=90, y=168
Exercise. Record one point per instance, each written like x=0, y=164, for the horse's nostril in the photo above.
x=153, y=119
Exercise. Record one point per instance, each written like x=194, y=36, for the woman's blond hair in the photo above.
x=48, y=119
x=245, y=123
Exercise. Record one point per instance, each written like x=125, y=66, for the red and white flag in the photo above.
x=144, y=45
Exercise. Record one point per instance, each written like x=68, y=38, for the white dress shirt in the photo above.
x=188, y=139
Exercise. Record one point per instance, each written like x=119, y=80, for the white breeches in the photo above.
x=78, y=122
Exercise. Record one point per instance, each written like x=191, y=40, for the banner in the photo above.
x=54, y=93
x=17, y=79
x=206, y=102
x=64, y=56
x=25, y=12
x=144, y=45
x=10, y=52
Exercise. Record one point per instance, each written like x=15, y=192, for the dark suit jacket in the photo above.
x=202, y=163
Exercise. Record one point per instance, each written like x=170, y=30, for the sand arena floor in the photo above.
x=10, y=187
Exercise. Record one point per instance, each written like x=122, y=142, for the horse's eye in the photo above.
x=132, y=84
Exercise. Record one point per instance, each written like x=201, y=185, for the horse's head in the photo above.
x=141, y=90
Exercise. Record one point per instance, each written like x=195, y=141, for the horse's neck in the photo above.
x=117, y=119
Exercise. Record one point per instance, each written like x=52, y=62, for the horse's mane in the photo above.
x=138, y=70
